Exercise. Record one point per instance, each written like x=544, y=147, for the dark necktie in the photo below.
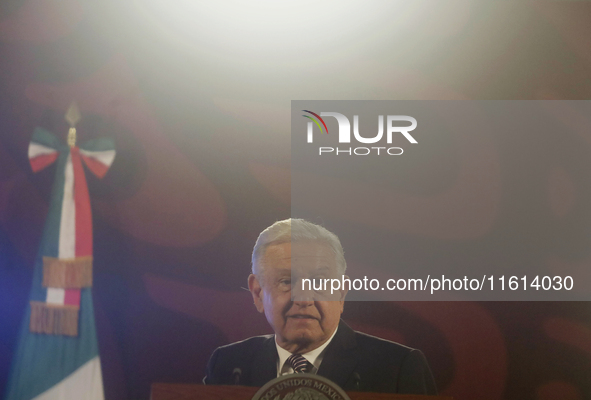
x=299, y=363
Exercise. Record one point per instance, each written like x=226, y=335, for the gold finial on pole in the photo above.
x=72, y=117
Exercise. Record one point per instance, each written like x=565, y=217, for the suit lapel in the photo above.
x=341, y=356
x=264, y=364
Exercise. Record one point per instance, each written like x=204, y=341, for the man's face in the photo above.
x=305, y=323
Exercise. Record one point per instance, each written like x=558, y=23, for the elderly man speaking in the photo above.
x=309, y=334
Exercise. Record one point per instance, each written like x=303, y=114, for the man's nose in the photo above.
x=303, y=303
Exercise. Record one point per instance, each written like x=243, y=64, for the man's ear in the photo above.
x=256, y=290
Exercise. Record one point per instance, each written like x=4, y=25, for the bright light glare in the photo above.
x=263, y=49
x=267, y=28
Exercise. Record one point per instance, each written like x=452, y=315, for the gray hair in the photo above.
x=293, y=230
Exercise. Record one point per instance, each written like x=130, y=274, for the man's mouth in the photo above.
x=301, y=316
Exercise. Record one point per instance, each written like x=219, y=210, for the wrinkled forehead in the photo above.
x=301, y=256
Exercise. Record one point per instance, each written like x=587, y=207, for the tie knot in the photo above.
x=298, y=363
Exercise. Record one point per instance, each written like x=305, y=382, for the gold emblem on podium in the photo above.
x=301, y=387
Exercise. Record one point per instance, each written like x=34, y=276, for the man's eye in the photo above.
x=285, y=282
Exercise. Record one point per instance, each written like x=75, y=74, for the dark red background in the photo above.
x=203, y=166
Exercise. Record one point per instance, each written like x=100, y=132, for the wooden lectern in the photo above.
x=171, y=391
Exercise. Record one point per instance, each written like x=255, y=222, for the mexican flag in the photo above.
x=57, y=356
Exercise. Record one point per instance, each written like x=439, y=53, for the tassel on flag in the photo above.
x=57, y=356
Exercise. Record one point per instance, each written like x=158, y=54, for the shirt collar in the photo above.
x=314, y=357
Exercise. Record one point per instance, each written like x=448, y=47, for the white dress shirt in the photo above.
x=314, y=357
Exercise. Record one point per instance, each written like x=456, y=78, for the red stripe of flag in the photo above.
x=72, y=297
x=83, y=212
x=42, y=161
x=95, y=166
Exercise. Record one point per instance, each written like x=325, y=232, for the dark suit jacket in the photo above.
x=353, y=360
